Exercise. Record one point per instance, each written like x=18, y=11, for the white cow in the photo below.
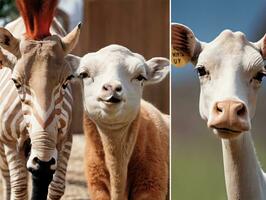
x=230, y=70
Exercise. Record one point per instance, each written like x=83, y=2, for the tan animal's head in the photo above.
x=230, y=69
x=41, y=75
x=113, y=80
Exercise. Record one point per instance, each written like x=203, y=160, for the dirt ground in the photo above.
x=76, y=188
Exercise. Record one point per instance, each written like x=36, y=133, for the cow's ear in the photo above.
x=261, y=44
x=185, y=46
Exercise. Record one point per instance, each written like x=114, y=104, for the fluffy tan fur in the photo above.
x=147, y=165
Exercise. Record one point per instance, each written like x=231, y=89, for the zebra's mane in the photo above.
x=37, y=16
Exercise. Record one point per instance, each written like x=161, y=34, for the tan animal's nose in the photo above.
x=229, y=115
x=112, y=87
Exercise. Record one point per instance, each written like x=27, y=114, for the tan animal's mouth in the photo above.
x=112, y=99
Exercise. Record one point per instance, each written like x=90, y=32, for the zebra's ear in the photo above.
x=71, y=39
x=7, y=59
x=9, y=42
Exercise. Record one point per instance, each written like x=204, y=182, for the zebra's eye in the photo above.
x=201, y=70
x=17, y=84
x=259, y=76
x=68, y=79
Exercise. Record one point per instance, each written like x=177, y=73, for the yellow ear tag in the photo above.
x=178, y=58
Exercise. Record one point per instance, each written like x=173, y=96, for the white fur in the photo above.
x=232, y=63
x=115, y=63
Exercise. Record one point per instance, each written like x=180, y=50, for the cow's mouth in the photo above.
x=226, y=130
x=226, y=133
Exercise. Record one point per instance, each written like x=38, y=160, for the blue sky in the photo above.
x=207, y=18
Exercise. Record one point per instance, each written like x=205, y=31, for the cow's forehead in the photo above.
x=229, y=42
x=231, y=48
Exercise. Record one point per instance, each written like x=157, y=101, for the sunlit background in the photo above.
x=140, y=25
x=197, y=167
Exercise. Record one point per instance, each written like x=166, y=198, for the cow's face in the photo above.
x=113, y=80
x=230, y=70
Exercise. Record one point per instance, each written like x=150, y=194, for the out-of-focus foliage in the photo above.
x=8, y=10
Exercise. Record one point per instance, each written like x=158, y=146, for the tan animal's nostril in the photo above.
x=118, y=88
x=107, y=87
x=112, y=87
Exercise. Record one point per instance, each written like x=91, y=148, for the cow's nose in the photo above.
x=112, y=87
x=229, y=115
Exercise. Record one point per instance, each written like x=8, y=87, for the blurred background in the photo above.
x=140, y=25
x=197, y=167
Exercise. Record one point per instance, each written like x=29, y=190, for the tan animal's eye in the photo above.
x=17, y=84
x=83, y=75
x=259, y=76
x=141, y=78
x=201, y=70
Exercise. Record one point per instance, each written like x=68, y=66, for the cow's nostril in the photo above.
x=219, y=109
x=241, y=110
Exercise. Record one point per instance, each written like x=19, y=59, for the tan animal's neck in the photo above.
x=243, y=175
x=118, y=144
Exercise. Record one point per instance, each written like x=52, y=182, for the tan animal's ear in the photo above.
x=184, y=45
x=9, y=42
x=158, y=68
x=261, y=44
x=71, y=39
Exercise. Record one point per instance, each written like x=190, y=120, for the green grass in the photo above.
x=197, y=168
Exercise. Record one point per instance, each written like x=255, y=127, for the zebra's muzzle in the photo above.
x=42, y=176
x=41, y=165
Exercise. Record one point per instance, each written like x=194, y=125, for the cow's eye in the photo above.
x=201, y=70
x=17, y=84
x=259, y=76
x=141, y=78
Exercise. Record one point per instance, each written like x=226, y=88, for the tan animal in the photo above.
x=35, y=102
x=126, y=138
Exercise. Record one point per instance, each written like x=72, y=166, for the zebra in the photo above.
x=36, y=105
